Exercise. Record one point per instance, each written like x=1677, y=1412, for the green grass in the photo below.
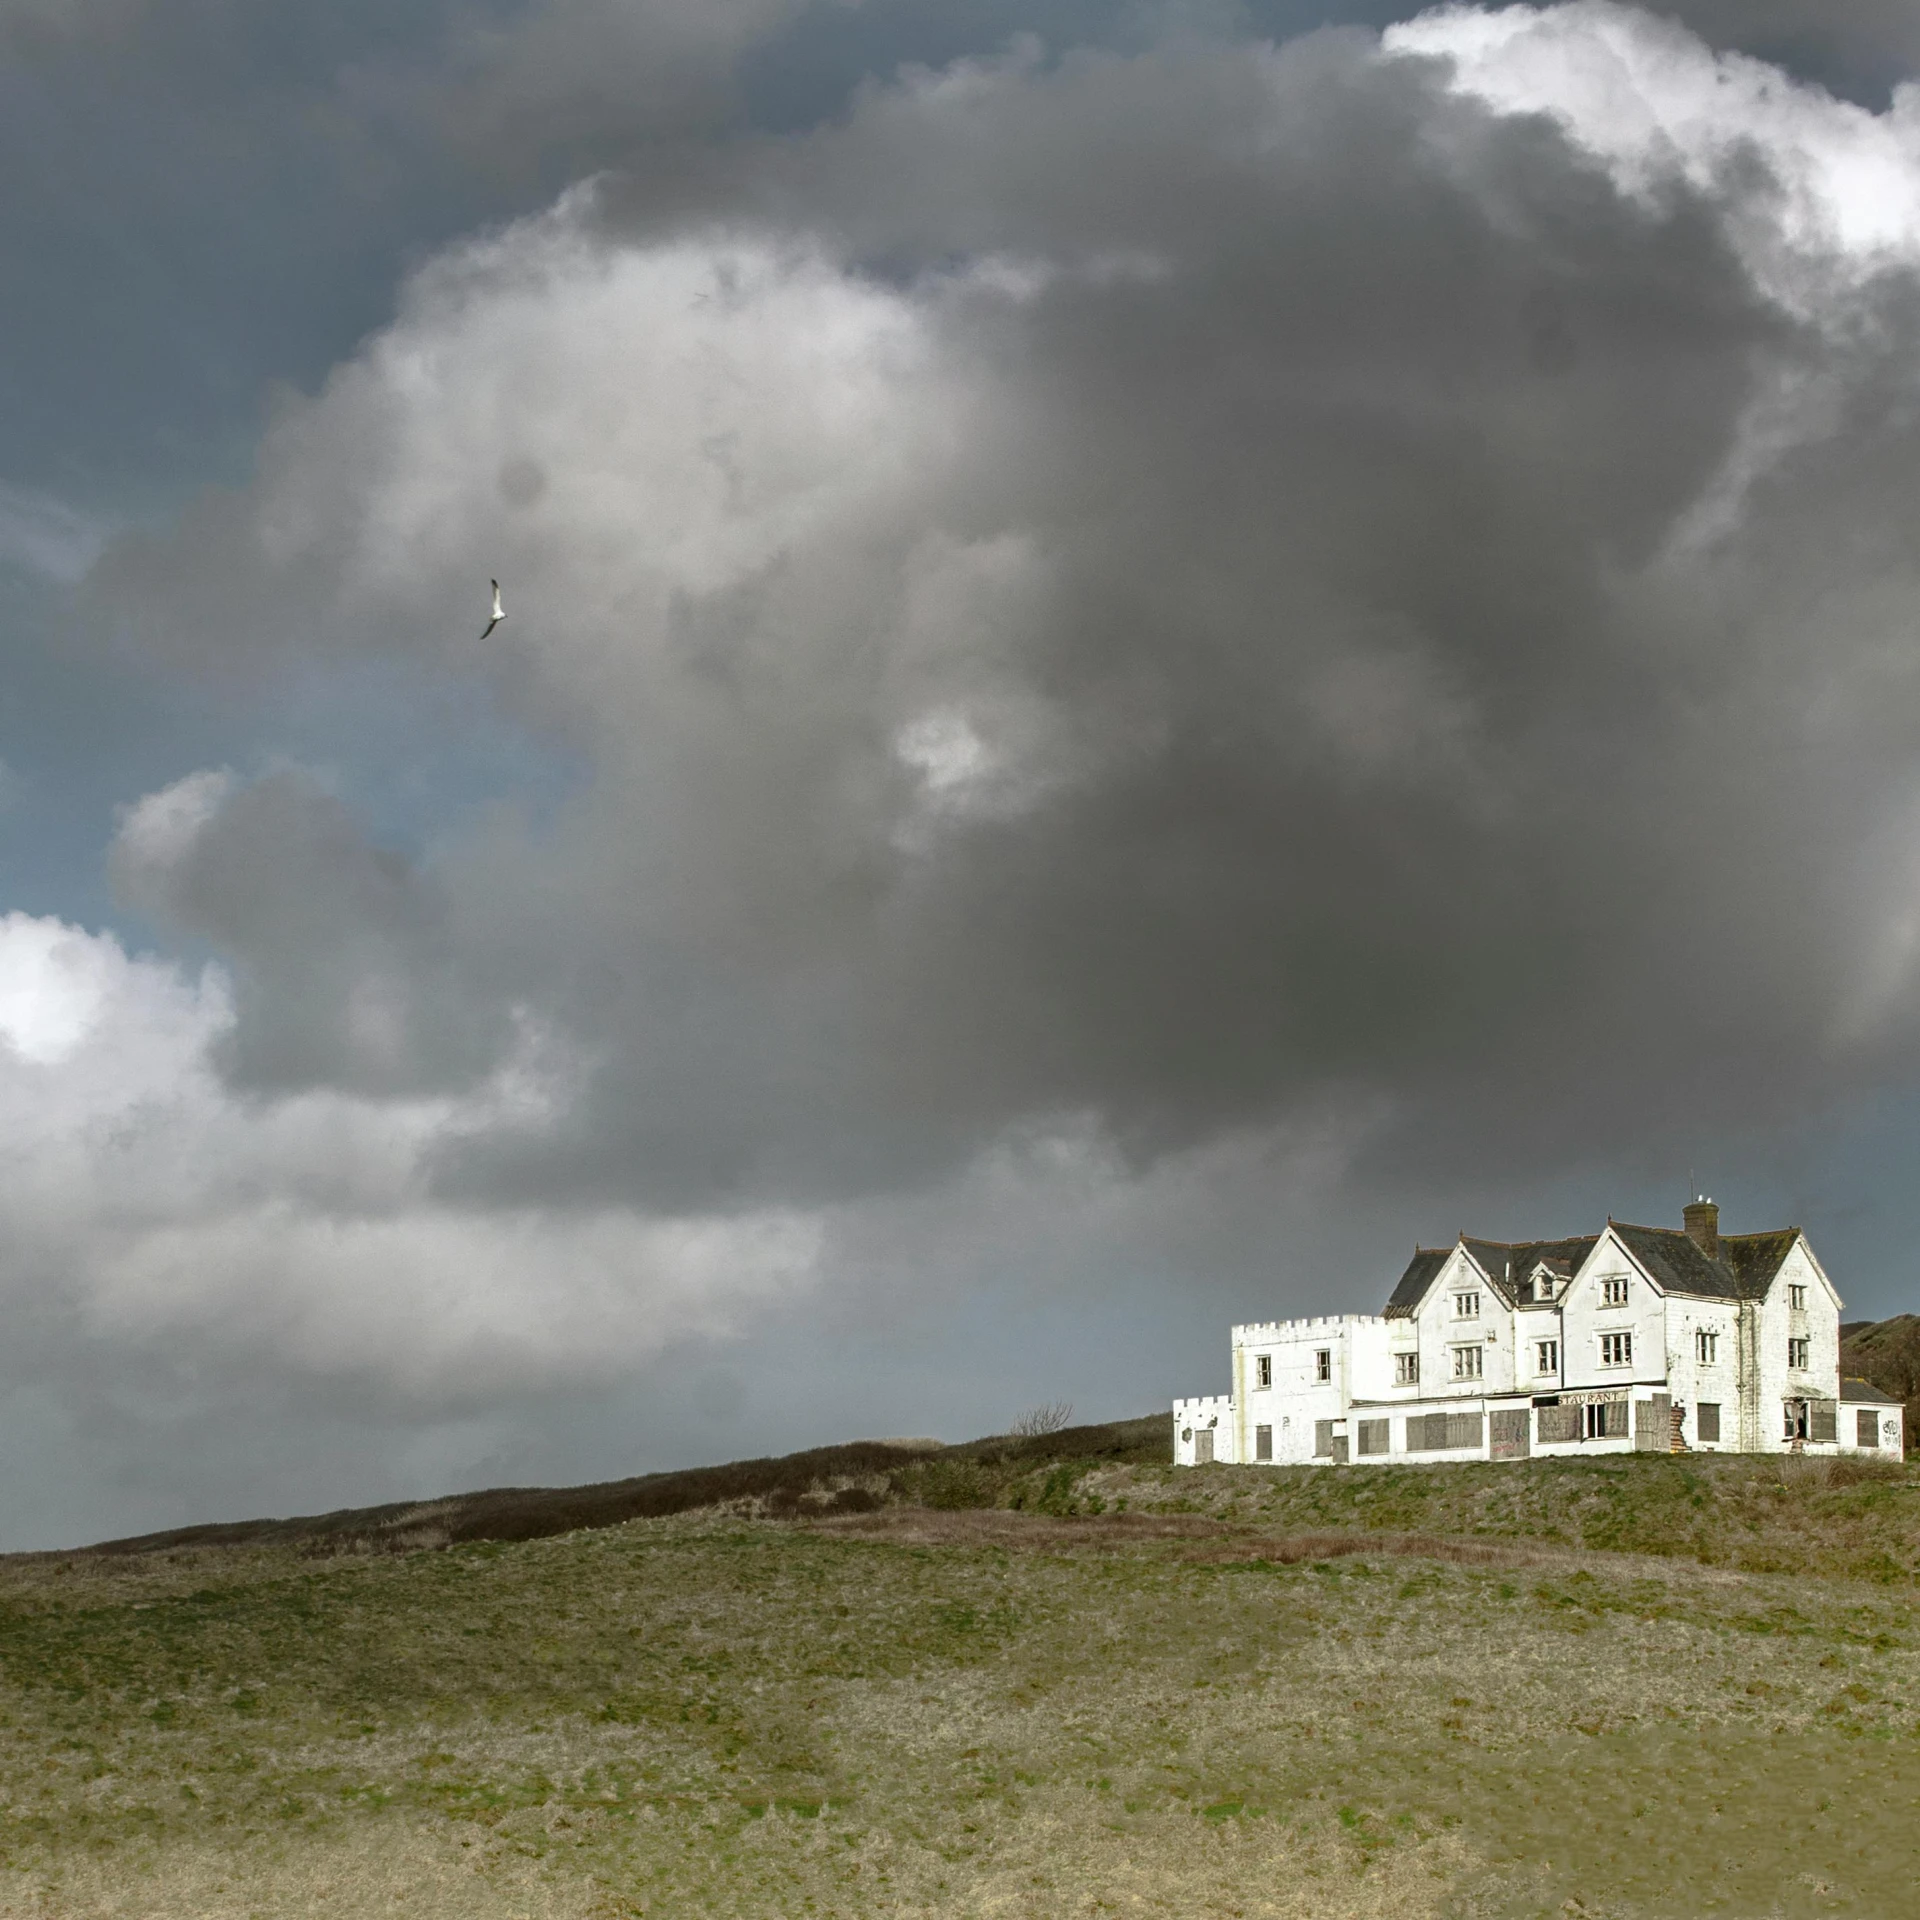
x=927, y=1712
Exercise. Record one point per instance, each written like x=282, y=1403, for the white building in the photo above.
x=1633, y=1338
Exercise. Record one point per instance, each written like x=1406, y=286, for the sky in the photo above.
x=1152, y=652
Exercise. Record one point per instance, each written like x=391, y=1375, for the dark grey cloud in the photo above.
x=1329, y=687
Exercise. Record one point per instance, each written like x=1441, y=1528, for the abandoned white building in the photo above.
x=1633, y=1338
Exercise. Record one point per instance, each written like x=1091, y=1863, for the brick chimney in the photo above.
x=1703, y=1226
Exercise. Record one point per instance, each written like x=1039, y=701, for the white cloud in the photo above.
x=46, y=536
x=158, y=1209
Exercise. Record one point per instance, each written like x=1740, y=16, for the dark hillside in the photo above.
x=1887, y=1352
x=851, y=1478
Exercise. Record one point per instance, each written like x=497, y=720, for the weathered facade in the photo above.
x=1633, y=1338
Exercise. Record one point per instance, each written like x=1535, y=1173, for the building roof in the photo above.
x=1419, y=1276
x=1747, y=1265
x=1865, y=1390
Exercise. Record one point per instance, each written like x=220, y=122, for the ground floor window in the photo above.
x=1866, y=1429
x=1443, y=1432
x=1203, y=1447
x=1263, y=1443
x=1604, y=1420
x=1374, y=1435
x=1706, y=1420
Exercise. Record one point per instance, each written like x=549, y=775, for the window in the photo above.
x=1466, y=1306
x=1605, y=1420
x=1557, y=1423
x=1433, y=1432
x=1466, y=1363
x=1203, y=1447
x=1797, y=1299
x=1546, y=1356
x=1323, y=1363
x=1866, y=1429
x=1263, y=1443
x=1613, y=1290
x=1374, y=1435
x=1706, y=1348
x=1406, y=1369
x=1706, y=1420
x=1797, y=1352
x=1263, y=1371
x=1616, y=1349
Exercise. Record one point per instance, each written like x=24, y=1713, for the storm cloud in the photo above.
x=1108, y=628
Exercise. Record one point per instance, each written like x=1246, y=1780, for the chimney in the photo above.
x=1703, y=1226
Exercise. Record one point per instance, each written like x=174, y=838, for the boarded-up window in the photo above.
x=1420, y=1426
x=1323, y=1439
x=1263, y=1443
x=1508, y=1439
x=1464, y=1429
x=1653, y=1424
x=1823, y=1420
x=1706, y=1420
x=1340, y=1445
x=1557, y=1424
x=1203, y=1446
x=1866, y=1429
x=1375, y=1435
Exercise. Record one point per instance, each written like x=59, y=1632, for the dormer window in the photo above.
x=1466, y=1306
x=1613, y=1290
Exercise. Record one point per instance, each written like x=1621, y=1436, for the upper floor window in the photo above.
x=1263, y=1371
x=1706, y=1348
x=1798, y=1353
x=1466, y=1306
x=1406, y=1369
x=1616, y=1349
x=1546, y=1354
x=1797, y=1299
x=1466, y=1364
x=1323, y=1363
x=1613, y=1290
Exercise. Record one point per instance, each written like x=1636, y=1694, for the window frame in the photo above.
x=1469, y=1361
x=1799, y=1353
x=1466, y=1305
x=1706, y=1413
x=1262, y=1370
x=1615, y=1290
x=1323, y=1363
x=1406, y=1368
x=1616, y=1349
x=1796, y=1296
x=1546, y=1355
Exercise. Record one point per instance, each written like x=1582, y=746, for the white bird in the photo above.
x=499, y=612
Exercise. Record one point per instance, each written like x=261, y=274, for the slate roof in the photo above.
x=1419, y=1276
x=1745, y=1269
x=1867, y=1391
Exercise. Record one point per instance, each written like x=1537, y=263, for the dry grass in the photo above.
x=912, y=1713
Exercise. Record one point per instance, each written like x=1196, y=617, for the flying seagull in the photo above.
x=499, y=612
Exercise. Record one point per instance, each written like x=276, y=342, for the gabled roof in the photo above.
x=1505, y=1263
x=1421, y=1272
x=1746, y=1267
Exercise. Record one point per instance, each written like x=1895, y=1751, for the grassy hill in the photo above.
x=1019, y=1678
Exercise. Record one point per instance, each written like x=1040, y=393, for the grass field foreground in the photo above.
x=920, y=1712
